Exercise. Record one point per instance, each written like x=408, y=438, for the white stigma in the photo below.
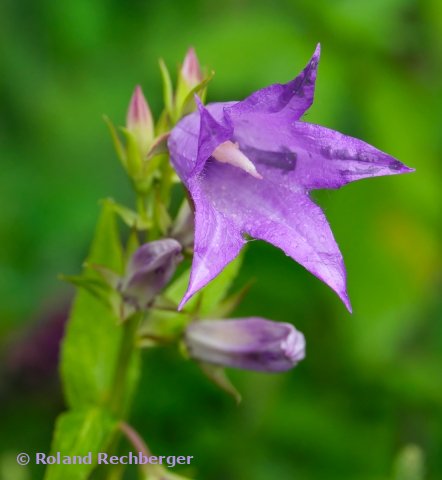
x=229, y=152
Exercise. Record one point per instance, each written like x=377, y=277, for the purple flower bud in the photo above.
x=191, y=70
x=149, y=270
x=250, y=343
x=139, y=120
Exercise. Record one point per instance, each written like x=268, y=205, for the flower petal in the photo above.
x=252, y=343
x=273, y=212
x=193, y=140
x=217, y=242
x=212, y=133
x=290, y=100
x=330, y=159
x=148, y=271
x=307, y=156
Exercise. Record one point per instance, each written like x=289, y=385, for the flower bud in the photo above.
x=190, y=79
x=249, y=343
x=190, y=70
x=139, y=121
x=149, y=270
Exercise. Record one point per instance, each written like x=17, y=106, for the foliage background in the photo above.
x=371, y=384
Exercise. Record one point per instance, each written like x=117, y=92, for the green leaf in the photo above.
x=76, y=434
x=93, y=336
x=188, y=104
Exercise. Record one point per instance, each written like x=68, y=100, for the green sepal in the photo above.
x=121, y=153
x=218, y=376
x=204, y=303
x=162, y=326
x=98, y=288
x=131, y=218
x=228, y=305
x=163, y=124
x=159, y=145
x=187, y=105
x=76, y=434
x=134, y=160
x=132, y=244
x=149, y=173
x=161, y=215
x=167, y=87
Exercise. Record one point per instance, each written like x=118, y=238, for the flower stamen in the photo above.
x=229, y=152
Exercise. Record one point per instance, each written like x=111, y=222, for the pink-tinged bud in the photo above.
x=191, y=70
x=139, y=120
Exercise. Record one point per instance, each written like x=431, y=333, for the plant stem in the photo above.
x=124, y=359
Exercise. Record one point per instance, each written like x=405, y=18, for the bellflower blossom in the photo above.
x=252, y=343
x=249, y=167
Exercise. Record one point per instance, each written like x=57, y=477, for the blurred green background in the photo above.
x=371, y=386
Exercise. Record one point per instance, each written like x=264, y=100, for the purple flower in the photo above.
x=249, y=167
x=149, y=270
x=249, y=343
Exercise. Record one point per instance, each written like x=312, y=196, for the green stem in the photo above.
x=125, y=357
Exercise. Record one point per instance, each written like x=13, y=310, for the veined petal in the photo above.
x=212, y=133
x=284, y=217
x=330, y=159
x=196, y=136
x=217, y=242
x=306, y=156
x=290, y=100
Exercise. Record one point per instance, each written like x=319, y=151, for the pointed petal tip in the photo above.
x=343, y=296
x=347, y=303
x=185, y=299
x=317, y=51
x=398, y=168
x=199, y=103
